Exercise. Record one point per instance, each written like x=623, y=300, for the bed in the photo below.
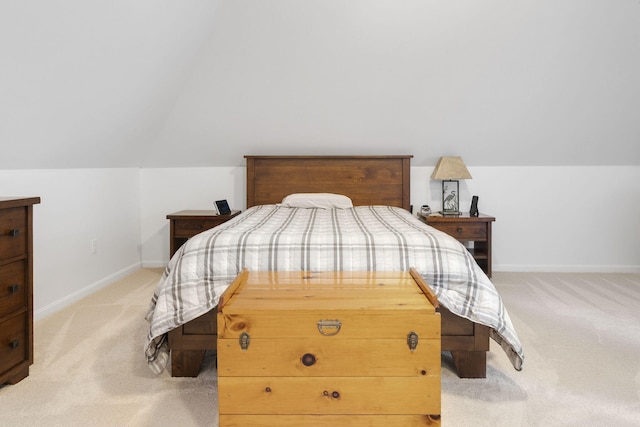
x=182, y=315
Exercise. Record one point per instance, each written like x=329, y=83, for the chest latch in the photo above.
x=244, y=340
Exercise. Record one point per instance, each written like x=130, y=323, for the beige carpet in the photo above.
x=581, y=335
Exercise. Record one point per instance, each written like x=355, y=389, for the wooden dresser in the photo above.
x=332, y=348
x=16, y=288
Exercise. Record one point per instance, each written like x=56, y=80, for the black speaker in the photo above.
x=473, y=210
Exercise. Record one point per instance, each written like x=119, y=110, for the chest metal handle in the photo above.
x=329, y=327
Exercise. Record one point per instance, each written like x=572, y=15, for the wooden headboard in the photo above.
x=367, y=180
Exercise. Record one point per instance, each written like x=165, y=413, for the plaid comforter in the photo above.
x=364, y=238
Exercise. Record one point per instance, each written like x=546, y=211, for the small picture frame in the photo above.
x=223, y=207
x=450, y=198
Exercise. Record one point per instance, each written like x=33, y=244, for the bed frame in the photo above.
x=367, y=180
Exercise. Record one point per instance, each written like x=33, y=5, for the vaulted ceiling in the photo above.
x=162, y=83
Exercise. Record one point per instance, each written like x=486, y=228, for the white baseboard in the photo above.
x=512, y=268
x=154, y=264
x=91, y=288
x=58, y=305
x=567, y=268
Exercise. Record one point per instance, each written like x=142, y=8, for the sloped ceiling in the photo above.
x=91, y=83
x=161, y=83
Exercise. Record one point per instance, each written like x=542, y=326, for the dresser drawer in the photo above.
x=464, y=231
x=13, y=289
x=13, y=341
x=13, y=233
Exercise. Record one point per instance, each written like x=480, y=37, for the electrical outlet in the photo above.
x=94, y=246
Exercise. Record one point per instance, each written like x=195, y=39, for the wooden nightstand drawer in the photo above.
x=13, y=289
x=13, y=235
x=191, y=227
x=186, y=224
x=462, y=231
x=14, y=342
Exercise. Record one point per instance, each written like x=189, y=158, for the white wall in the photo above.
x=77, y=206
x=547, y=218
x=87, y=84
x=168, y=190
x=570, y=218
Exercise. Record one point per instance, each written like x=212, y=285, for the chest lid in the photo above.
x=341, y=291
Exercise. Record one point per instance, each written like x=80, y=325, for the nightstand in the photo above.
x=473, y=231
x=186, y=224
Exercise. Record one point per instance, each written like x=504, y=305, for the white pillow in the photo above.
x=317, y=200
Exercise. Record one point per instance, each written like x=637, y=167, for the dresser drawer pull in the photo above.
x=14, y=344
x=14, y=232
x=459, y=230
x=329, y=327
x=13, y=289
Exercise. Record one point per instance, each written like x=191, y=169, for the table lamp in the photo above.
x=450, y=170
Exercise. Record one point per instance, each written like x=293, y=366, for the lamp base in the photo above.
x=450, y=197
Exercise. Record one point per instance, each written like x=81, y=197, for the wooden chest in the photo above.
x=334, y=348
